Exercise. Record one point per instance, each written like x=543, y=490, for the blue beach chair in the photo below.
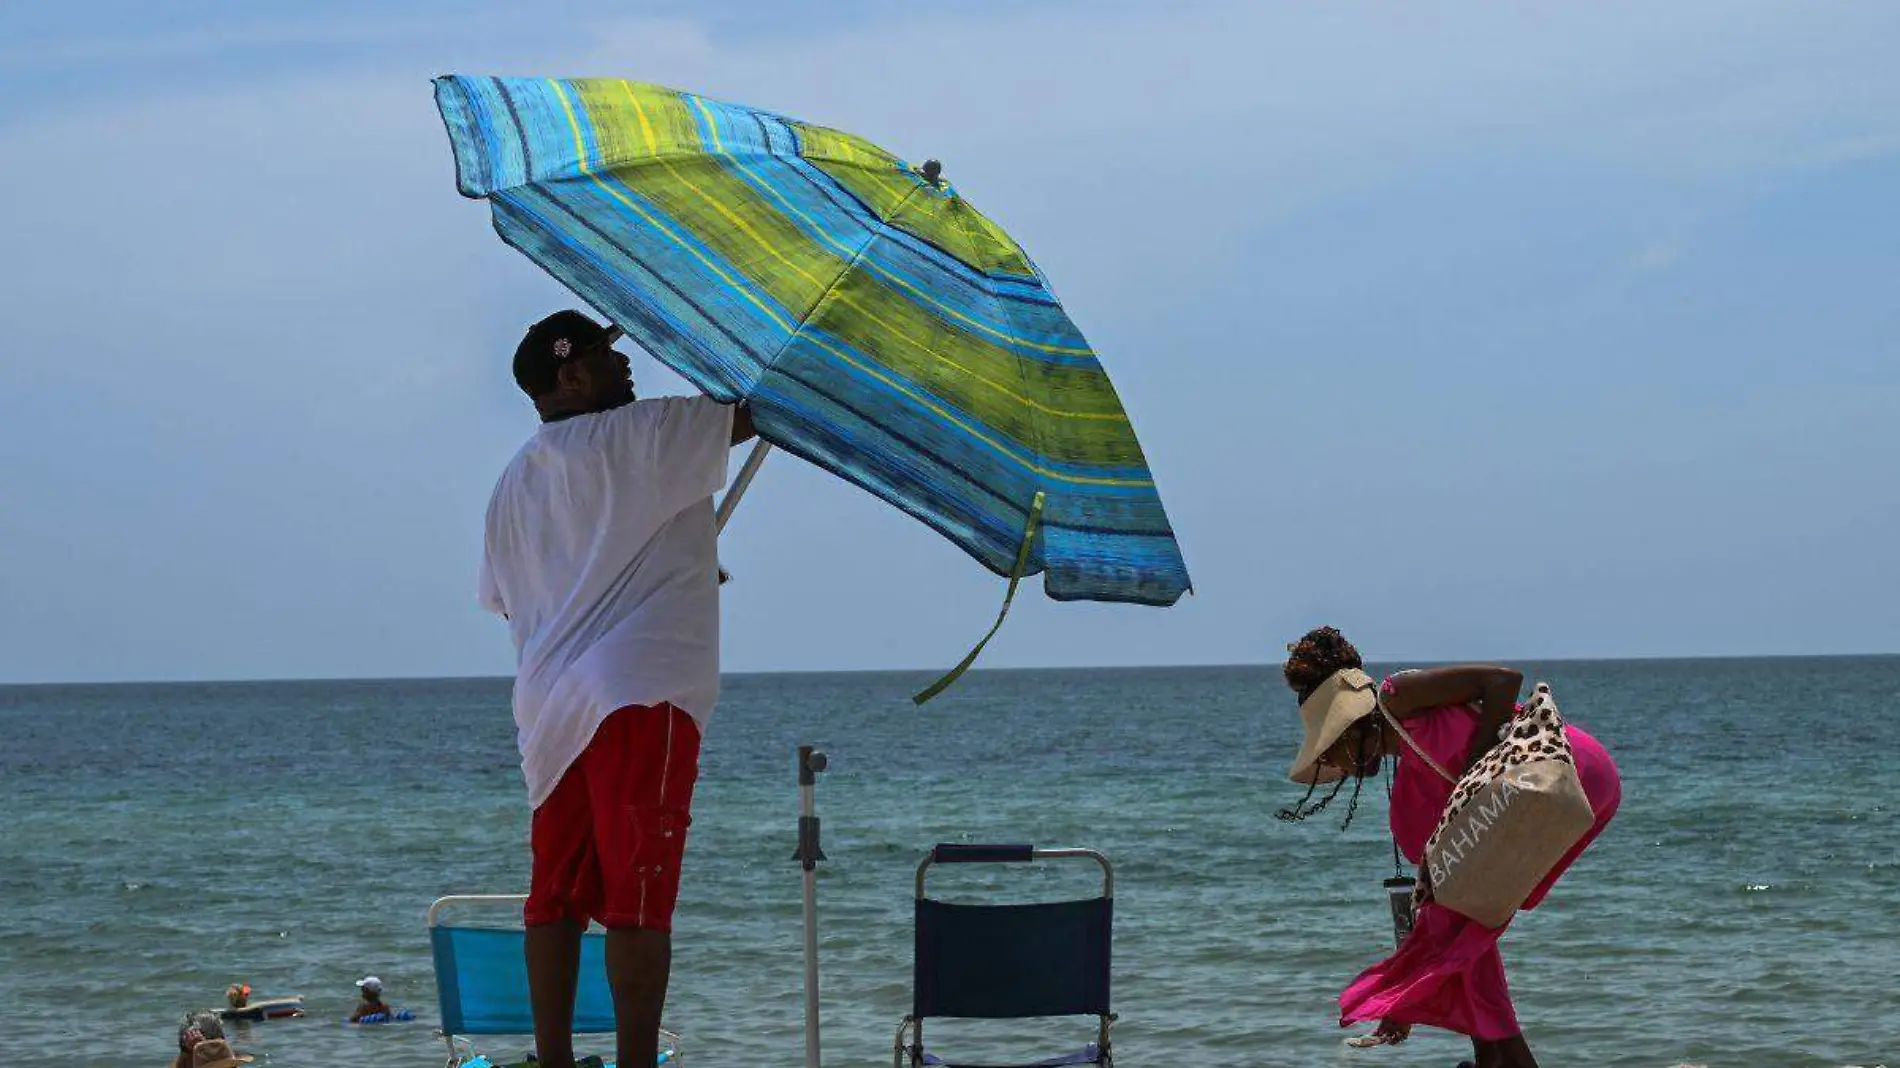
x=996, y=962
x=481, y=982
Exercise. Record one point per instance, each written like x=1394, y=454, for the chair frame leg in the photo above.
x=915, y=1049
x=898, y=1049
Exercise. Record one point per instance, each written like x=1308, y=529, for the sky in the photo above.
x=1478, y=330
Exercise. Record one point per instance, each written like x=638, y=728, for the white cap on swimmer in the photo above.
x=371, y=984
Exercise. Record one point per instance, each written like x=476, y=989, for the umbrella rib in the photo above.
x=830, y=290
x=1036, y=428
x=857, y=258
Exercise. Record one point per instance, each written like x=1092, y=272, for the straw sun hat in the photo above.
x=216, y=1053
x=1346, y=697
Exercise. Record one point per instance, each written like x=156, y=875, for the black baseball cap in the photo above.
x=552, y=342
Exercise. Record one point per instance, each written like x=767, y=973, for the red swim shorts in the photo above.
x=608, y=842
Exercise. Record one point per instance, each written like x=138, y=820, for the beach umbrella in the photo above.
x=878, y=324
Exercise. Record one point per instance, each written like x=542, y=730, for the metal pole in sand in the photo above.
x=810, y=763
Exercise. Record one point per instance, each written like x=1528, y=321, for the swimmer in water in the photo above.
x=372, y=1003
x=195, y=1030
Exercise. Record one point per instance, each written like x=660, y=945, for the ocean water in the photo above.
x=161, y=842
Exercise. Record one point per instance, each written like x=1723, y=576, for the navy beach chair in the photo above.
x=481, y=981
x=996, y=962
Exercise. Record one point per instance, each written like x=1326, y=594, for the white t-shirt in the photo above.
x=602, y=554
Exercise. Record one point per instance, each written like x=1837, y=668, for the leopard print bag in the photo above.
x=1510, y=819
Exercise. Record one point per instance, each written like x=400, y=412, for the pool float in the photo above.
x=399, y=1016
x=265, y=1009
x=240, y=1006
x=481, y=1061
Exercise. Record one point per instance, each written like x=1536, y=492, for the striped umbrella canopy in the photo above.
x=880, y=326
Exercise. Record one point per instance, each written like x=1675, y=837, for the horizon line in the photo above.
x=1264, y=666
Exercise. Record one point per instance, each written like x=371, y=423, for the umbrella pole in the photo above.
x=731, y=500
x=810, y=763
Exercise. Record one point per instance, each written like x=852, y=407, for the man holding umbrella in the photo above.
x=602, y=555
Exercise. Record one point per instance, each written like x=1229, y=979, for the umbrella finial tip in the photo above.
x=932, y=171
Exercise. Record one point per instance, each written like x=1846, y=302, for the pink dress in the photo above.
x=1448, y=973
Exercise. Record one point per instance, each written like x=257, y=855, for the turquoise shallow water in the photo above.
x=163, y=841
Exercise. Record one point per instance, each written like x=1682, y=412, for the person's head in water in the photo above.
x=567, y=365
x=1359, y=752
x=196, y=1027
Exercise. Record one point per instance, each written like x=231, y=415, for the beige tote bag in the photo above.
x=1510, y=819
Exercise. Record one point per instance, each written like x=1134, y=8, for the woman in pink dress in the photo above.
x=1447, y=973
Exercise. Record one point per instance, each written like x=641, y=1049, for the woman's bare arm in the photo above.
x=1493, y=690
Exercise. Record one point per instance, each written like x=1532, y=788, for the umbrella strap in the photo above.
x=1015, y=579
